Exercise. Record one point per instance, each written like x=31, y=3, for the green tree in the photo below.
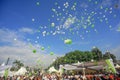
x=108, y=55
x=97, y=54
x=81, y=56
x=18, y=64
x=73, y=57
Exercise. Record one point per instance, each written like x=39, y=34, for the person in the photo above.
x=105, y=77
x=117, y=77
x=111, y=76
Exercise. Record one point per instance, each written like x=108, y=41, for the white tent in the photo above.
x=117, y=66
x=71, y=67
x=9, y=73
x=52, y=69
x=3, y=67
x=21, y=71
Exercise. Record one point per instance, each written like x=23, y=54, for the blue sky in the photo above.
x=48, y=23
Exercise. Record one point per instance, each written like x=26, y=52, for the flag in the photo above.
x=6, y=74
x=111, y=65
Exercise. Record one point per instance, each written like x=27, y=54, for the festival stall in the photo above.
x=21, y=71
x=52, y=69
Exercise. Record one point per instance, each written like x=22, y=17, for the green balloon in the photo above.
x=101, y=7
x=93, y=26
x=34, y=51
x=42, y=48
x=68, y=41
x=51, y=53
x=75, y=3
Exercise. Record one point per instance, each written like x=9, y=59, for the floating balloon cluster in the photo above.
x=77, y=18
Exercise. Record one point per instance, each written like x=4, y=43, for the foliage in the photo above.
x=108, y=55
x=97, y=54
x=18, y=64
x=81, y=56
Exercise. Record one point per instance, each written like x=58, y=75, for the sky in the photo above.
x=42, y=30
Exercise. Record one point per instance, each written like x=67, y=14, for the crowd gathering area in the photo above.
x=88, y=71
x=56, y=76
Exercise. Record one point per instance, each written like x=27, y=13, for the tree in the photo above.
x=81, y=56
x=88, y=56
x=18, y=64
x=73, y=57
x=97, y=54
x=108, y=55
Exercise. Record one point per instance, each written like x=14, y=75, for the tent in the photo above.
x=9, y=73
x=21, y=71
x=87, y=66
x=3, y=67
x=52, y=69
x=117, y=66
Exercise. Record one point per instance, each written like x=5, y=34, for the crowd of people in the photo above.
x=57, y=76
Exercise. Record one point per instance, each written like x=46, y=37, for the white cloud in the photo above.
x=8, y=35
x=26, y=30
x=25, y=55
x=19, y=49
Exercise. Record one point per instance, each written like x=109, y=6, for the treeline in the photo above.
x=83, y=56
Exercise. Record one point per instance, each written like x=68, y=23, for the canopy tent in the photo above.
x=71, y=67
x=96, y=67
x=3, y=67
x=9, y=73
x=21, y=71
x=52, y=69
x=89, y=66
x=117, y=66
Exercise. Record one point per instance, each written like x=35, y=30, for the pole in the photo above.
x=84, y=78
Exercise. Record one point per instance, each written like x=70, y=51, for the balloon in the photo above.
x=38, y=37
x=93, y=26
x=68, y=41
x=66, y=5
x=101, y=7
x=34, y=51
x=51, y=53
x=33, y=19
x=42, y=48
x=38, y=3
x=52, y=24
